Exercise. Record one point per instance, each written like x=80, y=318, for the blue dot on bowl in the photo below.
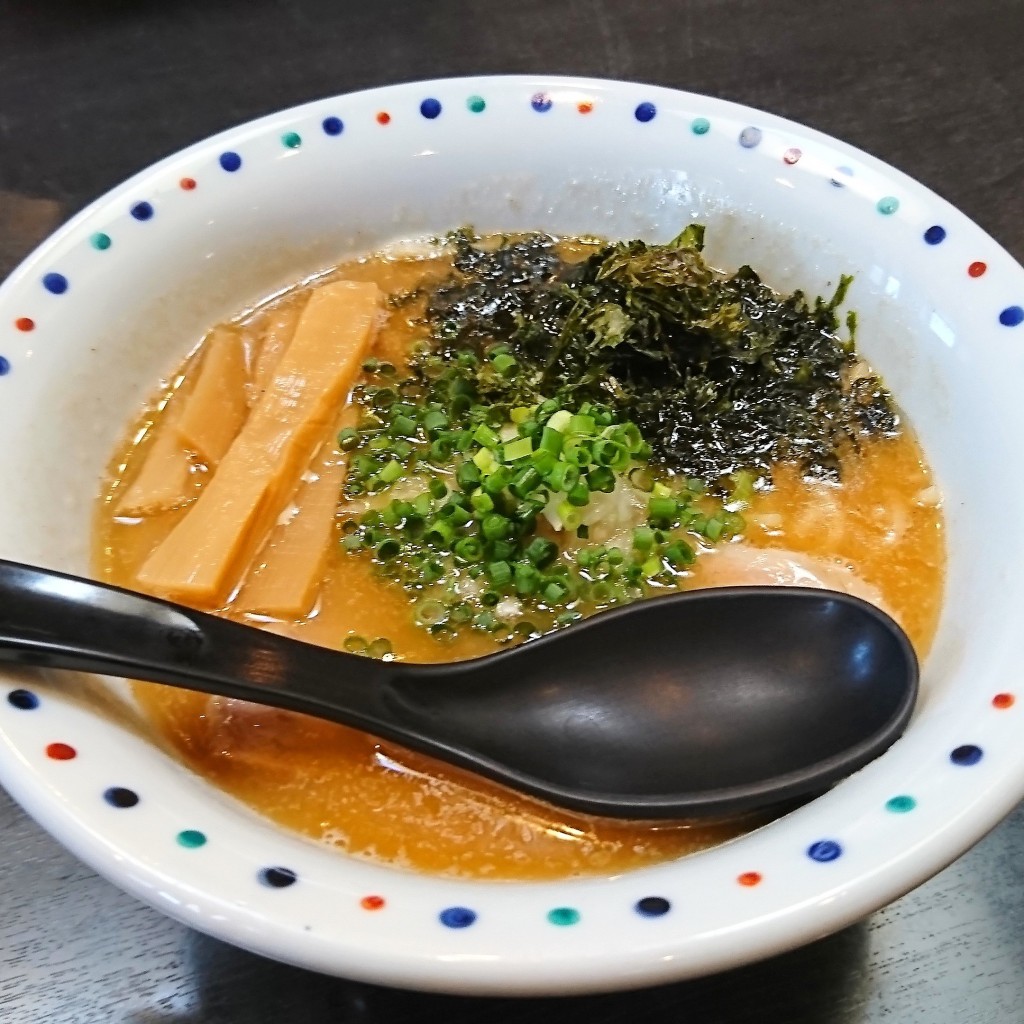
x=5, y=366
x=230, y=161
x=541, y=102
x=645, y=112
x=824, y=851
x=119, y=796
x=837, y=178
x=23, y=700
x=652, y=906
x=935, y=234
x=966, y=755
x=278, y=878
x=1012, y=316
x=332, y=125
x=142, y=211
x=430, y=108
x=457, y=917
x=55, y=283
x=750, y=137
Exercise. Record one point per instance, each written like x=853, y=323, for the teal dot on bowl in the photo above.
x=900, y=804
x=191, y=839
x=476, y=104
x=887, y=205
x=292, y=140
x=563, y=916
x=700, y=126
x=100, y=241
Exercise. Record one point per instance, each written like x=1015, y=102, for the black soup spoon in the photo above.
x=708, y=702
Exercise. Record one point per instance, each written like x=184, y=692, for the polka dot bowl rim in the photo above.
x=955, y=298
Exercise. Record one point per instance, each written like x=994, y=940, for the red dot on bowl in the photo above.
x=25, y=323
x=383, y=117
x=977, y=268
x=585, y=107
x=187, y=184
x=61, y=752
x=792, y=155
x=1003, y=701
x=749, y=878
x=372, y=903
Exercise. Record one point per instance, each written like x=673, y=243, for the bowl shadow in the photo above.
x=822, y=982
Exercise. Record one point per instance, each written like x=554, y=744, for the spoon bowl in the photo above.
x=709, y=702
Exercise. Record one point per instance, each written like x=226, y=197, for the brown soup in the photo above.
x=879, y=533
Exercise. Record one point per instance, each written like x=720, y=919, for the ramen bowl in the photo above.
x=118, y=296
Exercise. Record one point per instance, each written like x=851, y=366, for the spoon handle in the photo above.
x=53, y=620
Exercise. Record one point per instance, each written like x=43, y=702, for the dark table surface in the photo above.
x=92, y=91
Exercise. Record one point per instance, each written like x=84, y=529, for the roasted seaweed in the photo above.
x=720, y=372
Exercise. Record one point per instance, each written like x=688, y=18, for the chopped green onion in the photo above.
x=422, y=504
x=560, y=420
x=484, y=460
x=500, y=550
x=542, y=552
x=379, y=648
x=497, y=480
x=481, y=501
x=468, y=549
x=504, y=364
x=555, y=591
x=485, y=436
x=391, y=472
x=430, y=612
x=500, y=573
x=551, y=440
x=662, y=510
x=570, y=515
x=520, y=448
x=524, y=482
x=495, y=527
x=652, y=566
x=643, y=538
x=348, y=438
x=582, y=425
x=440, y=532
x=679, y=554
x=467, y=476
x=388, y=549
x=402, y=426
x=527, y=579
x=354, y=644
x=562, y=477
x=434, y=421
x=642, y=478
x=600, y=478
x=579, y=494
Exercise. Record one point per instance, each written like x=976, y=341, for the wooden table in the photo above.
x=92, y=92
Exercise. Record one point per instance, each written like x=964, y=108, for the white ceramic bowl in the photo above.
x=116, y=298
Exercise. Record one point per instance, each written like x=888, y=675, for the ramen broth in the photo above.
x=878, y=533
